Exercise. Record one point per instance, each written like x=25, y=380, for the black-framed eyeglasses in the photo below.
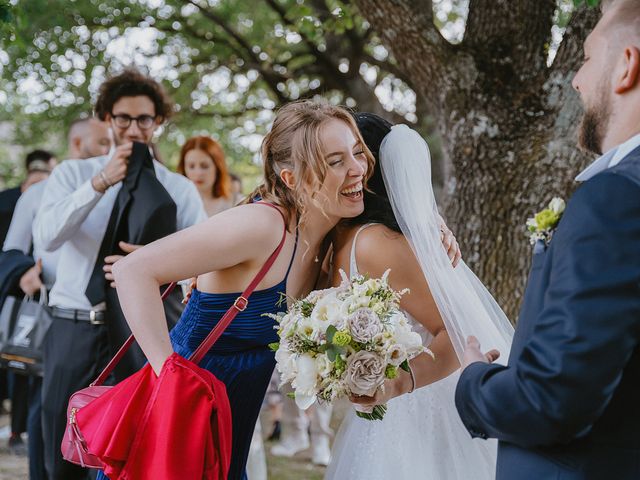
x=123, y=120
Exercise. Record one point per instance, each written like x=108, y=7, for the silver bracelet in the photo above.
x=413, y=379
x=105, y=179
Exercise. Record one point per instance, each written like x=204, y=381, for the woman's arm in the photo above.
x=379, y=249
x=239, y=236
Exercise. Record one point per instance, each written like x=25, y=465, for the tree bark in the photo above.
x=507, y=121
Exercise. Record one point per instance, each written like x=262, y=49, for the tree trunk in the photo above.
x=506, y=120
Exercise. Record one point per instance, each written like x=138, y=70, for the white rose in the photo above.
x=327, y=311
x=323, y=366
x=305, y=381
x=411, y=341
x=398, y=319
x=557, y=205
x=286, y=364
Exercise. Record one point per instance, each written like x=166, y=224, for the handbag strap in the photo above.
x=123, y=349
x=239, y=305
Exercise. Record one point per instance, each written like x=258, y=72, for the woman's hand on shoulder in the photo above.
x=450, y=243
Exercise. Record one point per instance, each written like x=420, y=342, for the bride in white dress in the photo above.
x=421, y=435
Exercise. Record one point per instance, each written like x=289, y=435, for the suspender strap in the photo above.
x=239, y=305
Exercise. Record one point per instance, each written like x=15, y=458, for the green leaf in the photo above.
x=377, y=413
x=274, y=346
x=332, y=353
x=291, y=395
x=405, y=366
x=331, y=331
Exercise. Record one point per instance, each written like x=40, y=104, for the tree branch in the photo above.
x=271, y=77
x=322, y=58
x=225, y=114
x=508, y=38
x=417, y=38
x=387, y=66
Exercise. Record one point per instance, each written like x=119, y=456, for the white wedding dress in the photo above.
x=421, y=436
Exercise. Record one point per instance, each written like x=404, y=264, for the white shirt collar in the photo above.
x=609, y=159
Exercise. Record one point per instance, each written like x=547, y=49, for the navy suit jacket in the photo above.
x=567, y=406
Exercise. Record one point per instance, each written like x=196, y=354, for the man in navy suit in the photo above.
x=566, y=406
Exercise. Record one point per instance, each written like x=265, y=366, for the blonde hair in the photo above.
x=294, y=143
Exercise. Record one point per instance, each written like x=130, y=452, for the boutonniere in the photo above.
x=544, y=223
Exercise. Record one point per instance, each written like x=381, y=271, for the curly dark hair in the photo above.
x=132, y=83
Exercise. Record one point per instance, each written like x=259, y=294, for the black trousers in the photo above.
x=34, y=428
x=74, y=354
x=19, y=403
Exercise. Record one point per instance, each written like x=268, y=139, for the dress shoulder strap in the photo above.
x=353, y=265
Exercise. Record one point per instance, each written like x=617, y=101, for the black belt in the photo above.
x=91, y=316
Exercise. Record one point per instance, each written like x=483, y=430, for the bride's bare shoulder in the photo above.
x=378, y=248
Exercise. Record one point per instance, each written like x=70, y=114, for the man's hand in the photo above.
x=450, y=243
x=30, y=282
x=472, y=353
x=115, y=169
x=111, y=259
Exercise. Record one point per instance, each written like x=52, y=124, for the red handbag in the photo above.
x=176, y=425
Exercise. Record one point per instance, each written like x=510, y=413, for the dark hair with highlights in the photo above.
x=132, y=83
x=377, y=207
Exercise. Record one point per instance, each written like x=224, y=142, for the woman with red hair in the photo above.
x=202, y=161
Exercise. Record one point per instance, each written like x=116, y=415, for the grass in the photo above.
x=300, y=466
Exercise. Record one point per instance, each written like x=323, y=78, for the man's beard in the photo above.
x=595, y=123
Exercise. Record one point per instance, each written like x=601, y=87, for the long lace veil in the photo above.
x=466, y=307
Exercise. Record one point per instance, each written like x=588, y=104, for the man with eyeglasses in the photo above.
x=79, y=213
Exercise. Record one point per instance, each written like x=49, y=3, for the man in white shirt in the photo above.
x=88, y=137
x=76, y=208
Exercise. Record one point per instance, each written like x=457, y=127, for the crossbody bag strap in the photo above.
x=239, y=305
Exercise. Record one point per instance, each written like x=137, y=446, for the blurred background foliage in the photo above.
x=227, y=63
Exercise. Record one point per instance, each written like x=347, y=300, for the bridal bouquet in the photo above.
x=345, y=341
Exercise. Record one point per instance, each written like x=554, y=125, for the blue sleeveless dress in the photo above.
x=241, y=357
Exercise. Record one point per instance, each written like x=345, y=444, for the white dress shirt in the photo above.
x=609, y=159
x=20, y=234
x=73, y=217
